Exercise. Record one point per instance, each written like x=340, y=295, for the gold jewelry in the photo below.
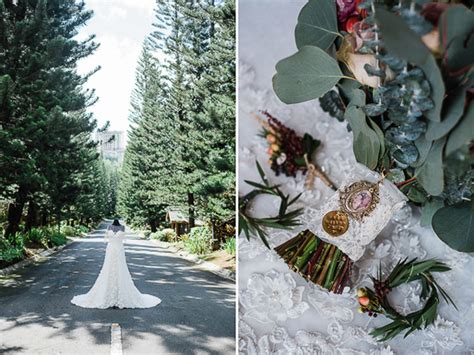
x=356, y=201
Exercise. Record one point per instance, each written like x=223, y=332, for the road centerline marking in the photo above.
x=115, y=339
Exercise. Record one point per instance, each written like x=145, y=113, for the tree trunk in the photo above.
x=152, y=222
x=58, y=216
x=44, y=218
x=191, y=210
x=15, y=211
x=32, y=216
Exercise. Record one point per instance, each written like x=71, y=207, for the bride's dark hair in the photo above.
x=116, y=222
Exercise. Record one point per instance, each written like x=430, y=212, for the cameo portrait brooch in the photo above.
x=356, y=201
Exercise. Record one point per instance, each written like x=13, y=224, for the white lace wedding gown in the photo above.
x=114, y=287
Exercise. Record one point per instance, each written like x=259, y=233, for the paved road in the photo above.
x=196, y=316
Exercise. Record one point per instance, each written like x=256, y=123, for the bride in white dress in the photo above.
x=114, y=287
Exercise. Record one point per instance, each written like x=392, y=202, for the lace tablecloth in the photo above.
x=279, y=312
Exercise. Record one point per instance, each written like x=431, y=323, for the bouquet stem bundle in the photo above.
x=317, y=261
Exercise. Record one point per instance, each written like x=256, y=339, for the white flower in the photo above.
x=281, y=158
x=332, y=306
x=247, y=339
x=272, y=297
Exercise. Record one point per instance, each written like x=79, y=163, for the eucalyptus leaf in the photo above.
x=406, y=44
x=456, y=28
x=463, y=133
x=396, y=175
x=423, y=145
x=416, y=194
x=317, y=24
x=331, y=102
x=366, y=143
x=306, y=75
x=453, y=109
x=406, y=154
x=373, y=110
x=454, y=225
x=430, y=174
x=429, y=209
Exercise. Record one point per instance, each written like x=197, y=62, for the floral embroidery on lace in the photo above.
x=273, y=297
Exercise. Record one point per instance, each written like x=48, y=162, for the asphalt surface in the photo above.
x=196, y=316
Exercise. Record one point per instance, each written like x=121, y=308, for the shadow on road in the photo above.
x=196, y=314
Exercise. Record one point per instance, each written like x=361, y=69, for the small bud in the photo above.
x=360, y=310
x=361, y=292
x=275, y=147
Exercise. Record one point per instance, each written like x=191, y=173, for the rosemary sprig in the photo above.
x=376, y=302
x=256, y=226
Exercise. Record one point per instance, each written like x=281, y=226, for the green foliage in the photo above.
x=454, y=225
x=48, y=161
x=317, y=24
x=419, y=120
x=405, y=272
x=430, y=174
x=457, y=26
x=10, y=252
x=165, y=235
x=367, y=144
x=306, y=75
x=181, y=149
x=256, y=226
x=229, y=246
x=199, y=241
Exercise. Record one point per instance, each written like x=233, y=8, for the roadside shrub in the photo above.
x=56, y=238
x=165, y=235
x=69, y=231
x=37, y=237
x=82, y=229
x=10, y=252
x=229, y=246
x=199, y=241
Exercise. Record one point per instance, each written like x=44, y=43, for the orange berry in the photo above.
x=271, y=138
x=364, y=300
x=275, y=147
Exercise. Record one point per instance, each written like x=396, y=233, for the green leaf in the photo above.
x=379, y=132
x=456, y=26
x=416, y=194
x=454, y=225
x=430, y=174
x=453, y=110
x=317, y=24
x=306, y=75
x=407, y=45
x=463, y=133
x=423, y=145
x=366, y=144
x=429, y=209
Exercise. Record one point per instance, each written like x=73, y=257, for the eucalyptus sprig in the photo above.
x=376, y=302
x=256, y=226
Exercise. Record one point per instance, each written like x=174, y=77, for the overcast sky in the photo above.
x=120, y=27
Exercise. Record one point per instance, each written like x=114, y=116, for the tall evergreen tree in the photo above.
x=181, y=151
x=44, y=127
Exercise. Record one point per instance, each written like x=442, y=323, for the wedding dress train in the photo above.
x=114, y=286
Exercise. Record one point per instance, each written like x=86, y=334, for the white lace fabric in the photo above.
x=281, y=313
x=114, y=286
x=360, y=233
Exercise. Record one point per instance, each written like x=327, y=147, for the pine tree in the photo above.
x=45, y=129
